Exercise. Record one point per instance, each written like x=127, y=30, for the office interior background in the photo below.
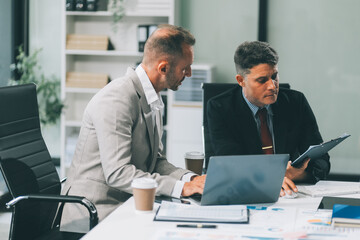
x=317, y=41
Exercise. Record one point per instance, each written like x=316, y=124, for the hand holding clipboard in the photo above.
x=315, y=151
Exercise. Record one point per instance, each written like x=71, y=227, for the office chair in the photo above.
x=211, y=90
x=28, y=170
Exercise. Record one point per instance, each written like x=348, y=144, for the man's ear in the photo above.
x=163, y=67
x=240, y=79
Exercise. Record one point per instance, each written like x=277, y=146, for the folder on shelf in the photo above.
x=144, y=32
x=86, y=80
x=88, y=42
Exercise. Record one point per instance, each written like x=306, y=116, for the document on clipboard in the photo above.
x=315, y=151
x=170, y=211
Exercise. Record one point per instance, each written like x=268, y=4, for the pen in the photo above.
x=195, y=226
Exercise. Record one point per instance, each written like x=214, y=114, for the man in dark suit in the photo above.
x=235, y=125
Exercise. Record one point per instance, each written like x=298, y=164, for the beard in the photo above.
x=171, y=80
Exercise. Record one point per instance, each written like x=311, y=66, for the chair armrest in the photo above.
x=63, y=199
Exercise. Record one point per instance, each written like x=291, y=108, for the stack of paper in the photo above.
x=319, y=190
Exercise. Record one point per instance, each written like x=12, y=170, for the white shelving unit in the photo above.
x=185, y=115
x=113, y=62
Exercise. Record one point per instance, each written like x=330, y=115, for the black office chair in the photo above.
x=211, y=90
x=28, y=170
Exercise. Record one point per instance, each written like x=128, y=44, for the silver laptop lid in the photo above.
x=244, y=179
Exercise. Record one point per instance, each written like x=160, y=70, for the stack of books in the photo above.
x=86, y=80
x=88, y=42
x=346, y=216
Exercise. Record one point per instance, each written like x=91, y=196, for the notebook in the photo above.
x=244, y=179
x=346, y=216
x=171, y=211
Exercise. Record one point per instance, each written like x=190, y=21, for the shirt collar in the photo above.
x=152, y=98
x=255, y=108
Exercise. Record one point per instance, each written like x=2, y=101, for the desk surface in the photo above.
x=125, y=223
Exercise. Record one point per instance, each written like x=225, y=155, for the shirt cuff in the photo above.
x=179, y=185
x=187, y=177
x=176, y=192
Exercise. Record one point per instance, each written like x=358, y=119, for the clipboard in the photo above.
x=315, y=151
x=172, y=211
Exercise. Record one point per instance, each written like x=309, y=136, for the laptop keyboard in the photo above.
x=196, y=197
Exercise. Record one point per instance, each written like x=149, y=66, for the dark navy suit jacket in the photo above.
x=233, y=130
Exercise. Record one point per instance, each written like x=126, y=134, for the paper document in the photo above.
x=315, y=151
x=170, y=211
x=323, y=190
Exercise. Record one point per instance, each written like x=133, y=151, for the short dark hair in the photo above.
x=250, y=54
x=169, y=42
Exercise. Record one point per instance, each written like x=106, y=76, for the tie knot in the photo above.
x=262, y=112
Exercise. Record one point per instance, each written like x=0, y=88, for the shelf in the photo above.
x=113, y=63
x=109, y=14
x=88, y=13
x=81, y=90
x=104, y=53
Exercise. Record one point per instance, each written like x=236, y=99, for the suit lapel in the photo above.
x=146, y=110
x=280, y=125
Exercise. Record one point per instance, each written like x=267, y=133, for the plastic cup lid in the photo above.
x=144, y=183
x=194, y=155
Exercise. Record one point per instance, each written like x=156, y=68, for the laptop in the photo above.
x=244, y=179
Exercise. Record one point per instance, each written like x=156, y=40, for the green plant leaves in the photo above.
x=48, y=88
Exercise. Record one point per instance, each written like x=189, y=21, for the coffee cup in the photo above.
x=144, y=194
x=194, y=162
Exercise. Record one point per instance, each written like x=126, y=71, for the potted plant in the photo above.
x=48, y=88
x=117, y=8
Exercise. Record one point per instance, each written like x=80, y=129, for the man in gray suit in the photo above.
x=120, y=136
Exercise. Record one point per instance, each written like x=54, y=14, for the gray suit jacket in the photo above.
x=117, y=143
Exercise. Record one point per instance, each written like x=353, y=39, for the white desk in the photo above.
x=125, y=223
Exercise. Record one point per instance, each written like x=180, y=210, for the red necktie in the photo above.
x=266, y=139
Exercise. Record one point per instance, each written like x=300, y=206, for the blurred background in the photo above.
x=317, y=41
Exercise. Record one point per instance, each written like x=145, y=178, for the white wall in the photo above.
x=317, y=42
x=318, y=45
x=219, y=27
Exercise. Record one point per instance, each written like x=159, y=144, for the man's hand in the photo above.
x=296, y=174
x=293, y=174
x=288, y=186
x=196, y=185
